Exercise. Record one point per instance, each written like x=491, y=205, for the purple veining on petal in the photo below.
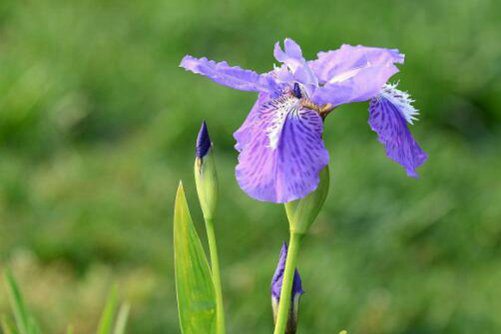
x=244, y=134
x=390, y=125
x=353, y=73
x=230, y=76
x=276, y=282
x=203, y=141
x=281, y=151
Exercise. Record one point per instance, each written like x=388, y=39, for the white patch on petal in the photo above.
x=345, y=75
x=401, y=100
x=278, y=110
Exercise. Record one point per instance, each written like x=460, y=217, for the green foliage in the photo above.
x=111, y=322
x=26, y=324
x=6, y=328
x=195, y=289
x=121, y=323
x=109, y=313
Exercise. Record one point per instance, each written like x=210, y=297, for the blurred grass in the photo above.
x=97, y=125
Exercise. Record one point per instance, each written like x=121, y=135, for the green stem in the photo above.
x=285, y=295
x=216, y=276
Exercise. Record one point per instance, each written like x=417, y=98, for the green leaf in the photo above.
x=106, y=322
x=121, y=323
x=19, y=309
x=194, y=286
x=69, y=330
x=33, y=327
x=6, y=328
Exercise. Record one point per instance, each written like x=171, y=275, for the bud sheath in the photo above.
x=303, y=212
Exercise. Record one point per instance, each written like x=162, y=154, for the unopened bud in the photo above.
x=205, y=173
x=276, y=289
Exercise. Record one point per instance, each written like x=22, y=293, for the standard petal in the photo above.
x=388, y=120
x=281, y=151
x=345, y=62
x=231, y=76
x=293, y=58
x=361, y=87
x=353, y=73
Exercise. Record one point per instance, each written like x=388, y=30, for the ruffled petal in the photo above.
x=353, y=73
x=388, y=115
x=292, y=57
x=348, y=60
x=281, y=150
x=231, y=76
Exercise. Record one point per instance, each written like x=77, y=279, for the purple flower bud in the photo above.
x=203, y=141
x=276, y=288
x=205, y=173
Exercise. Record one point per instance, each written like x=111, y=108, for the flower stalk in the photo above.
x=216, y=275
x=301, y=214
x=284, y=307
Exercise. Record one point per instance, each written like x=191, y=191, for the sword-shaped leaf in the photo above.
x=121, y=322
x=6, y=327
x=24, y=322
x=108, y=315
x=194, y=286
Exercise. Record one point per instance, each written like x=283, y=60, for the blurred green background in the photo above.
x=97, y=126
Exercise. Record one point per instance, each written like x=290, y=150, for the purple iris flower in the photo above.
x=280, y=142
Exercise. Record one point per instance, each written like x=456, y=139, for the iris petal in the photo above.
x=292, y=57
x=231, y=76
x=281, y=150
x=244, y=134
x=388, y=120
x=353, y=73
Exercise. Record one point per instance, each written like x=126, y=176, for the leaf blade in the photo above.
x=194, y=286
x=19, y=309
x=106, y=321
x=6, y=328
x=123, y=315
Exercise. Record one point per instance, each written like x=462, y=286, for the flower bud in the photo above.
x=276, y=289
x=303, y=212
x=205, y=173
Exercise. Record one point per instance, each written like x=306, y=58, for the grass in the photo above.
x=25, y=323
x=97, y=125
